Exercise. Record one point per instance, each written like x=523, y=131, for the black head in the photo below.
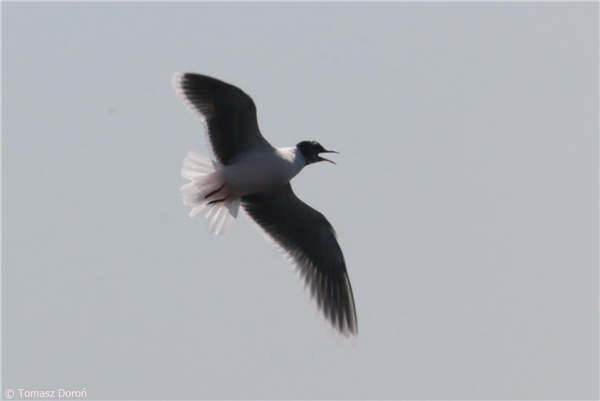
x=311, y=149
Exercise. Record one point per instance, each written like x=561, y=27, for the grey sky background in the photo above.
x=465, y=199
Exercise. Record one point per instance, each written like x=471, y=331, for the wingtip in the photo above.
x=341, y=321
x=176, y=82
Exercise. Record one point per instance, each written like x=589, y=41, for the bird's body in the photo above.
x=252, y=173
x=262, y=171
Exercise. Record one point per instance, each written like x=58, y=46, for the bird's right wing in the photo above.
x=305, y=236
x=229, y=114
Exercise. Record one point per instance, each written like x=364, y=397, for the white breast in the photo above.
x=263, y=171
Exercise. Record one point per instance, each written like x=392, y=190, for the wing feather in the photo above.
x=308, y=239
x=229, y=114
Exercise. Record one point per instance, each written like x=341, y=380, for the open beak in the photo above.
x=327, y=160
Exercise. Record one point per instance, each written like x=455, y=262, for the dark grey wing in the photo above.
x=306, y=236
x=229, y=113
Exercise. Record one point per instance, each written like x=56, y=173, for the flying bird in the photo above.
x=248, y=171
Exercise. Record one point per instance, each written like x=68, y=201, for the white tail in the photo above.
x=208, y=193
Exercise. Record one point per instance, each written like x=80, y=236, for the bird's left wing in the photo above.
x=305, y=236
x=229, y=114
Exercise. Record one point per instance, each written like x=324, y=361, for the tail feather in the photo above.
x=205, y=187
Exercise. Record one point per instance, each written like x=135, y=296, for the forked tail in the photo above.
x=207, y=193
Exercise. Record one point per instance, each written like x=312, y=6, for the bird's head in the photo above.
x=311, y=149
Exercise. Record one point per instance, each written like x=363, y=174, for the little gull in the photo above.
x=251, y=172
